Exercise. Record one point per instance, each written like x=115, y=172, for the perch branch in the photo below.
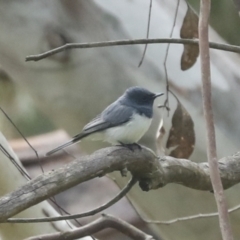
x=152, y=173
x=219, y=46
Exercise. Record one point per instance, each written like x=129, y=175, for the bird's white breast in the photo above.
x=130, y=132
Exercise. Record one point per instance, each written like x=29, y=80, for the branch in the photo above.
x=151, y=171
x=148, y=29
x=120, y=195
x=106, y=221
x=219, y=46
x=208, y=114
x=166, y=102
x=188, y=218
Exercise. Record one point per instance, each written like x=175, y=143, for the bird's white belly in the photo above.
x=130, y=132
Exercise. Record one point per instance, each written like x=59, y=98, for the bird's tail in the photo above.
x=74, y=140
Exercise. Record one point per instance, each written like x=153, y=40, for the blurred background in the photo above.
x=68, y=89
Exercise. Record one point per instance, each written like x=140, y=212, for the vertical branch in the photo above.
x=208, y=113
x=148, y=29
x=166, y=102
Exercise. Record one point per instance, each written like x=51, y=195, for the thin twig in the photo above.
x=106, y=221
x=22, y=135
x=219, y=46
x=14, y=162
x=175, y=220
x=166, y=102
x=192, y=217
x=148, y=29
x=120, y=195
x=208, y=114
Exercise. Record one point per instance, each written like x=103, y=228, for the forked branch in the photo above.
x=152, y=173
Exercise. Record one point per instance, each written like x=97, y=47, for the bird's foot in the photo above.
x=131, y=146
x=138, y=146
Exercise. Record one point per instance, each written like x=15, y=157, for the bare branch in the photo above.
x=166, y=102
x=219, y=46
x=25, y=139
x=208, y=113
x=188, y=218
x=148, y=29
x=106, y=221
x=151, y=171
x=80, y=170
x=180, y=219
x=120, y=195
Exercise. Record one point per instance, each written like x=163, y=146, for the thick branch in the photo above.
x=219, y=46
x=106, y=221
x=151, y=171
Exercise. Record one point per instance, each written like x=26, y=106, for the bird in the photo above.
x=124, y=122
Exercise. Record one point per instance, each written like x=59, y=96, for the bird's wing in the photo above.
x=114, y=115
x=95, y=125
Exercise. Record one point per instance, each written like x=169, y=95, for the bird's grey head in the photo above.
x=140, y=98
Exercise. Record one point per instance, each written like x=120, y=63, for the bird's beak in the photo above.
x=158, y=95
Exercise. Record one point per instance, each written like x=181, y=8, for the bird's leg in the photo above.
x=129, y=146
x=137, y=145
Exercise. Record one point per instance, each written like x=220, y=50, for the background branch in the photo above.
x=120, y=195
x=219, y=46
x=188, y=218
x=106, y=221
x=152, y=173
x=166, y=102
x=148, y=29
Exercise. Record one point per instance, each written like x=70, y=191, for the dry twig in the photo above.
x=187, y=218
x=148, y=29
x=166, y=102
x=219, y=46
x=106, y=221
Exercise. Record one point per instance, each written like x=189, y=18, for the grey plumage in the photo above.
x=134, y=101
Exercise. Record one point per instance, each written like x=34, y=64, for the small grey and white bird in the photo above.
x=123, y=122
